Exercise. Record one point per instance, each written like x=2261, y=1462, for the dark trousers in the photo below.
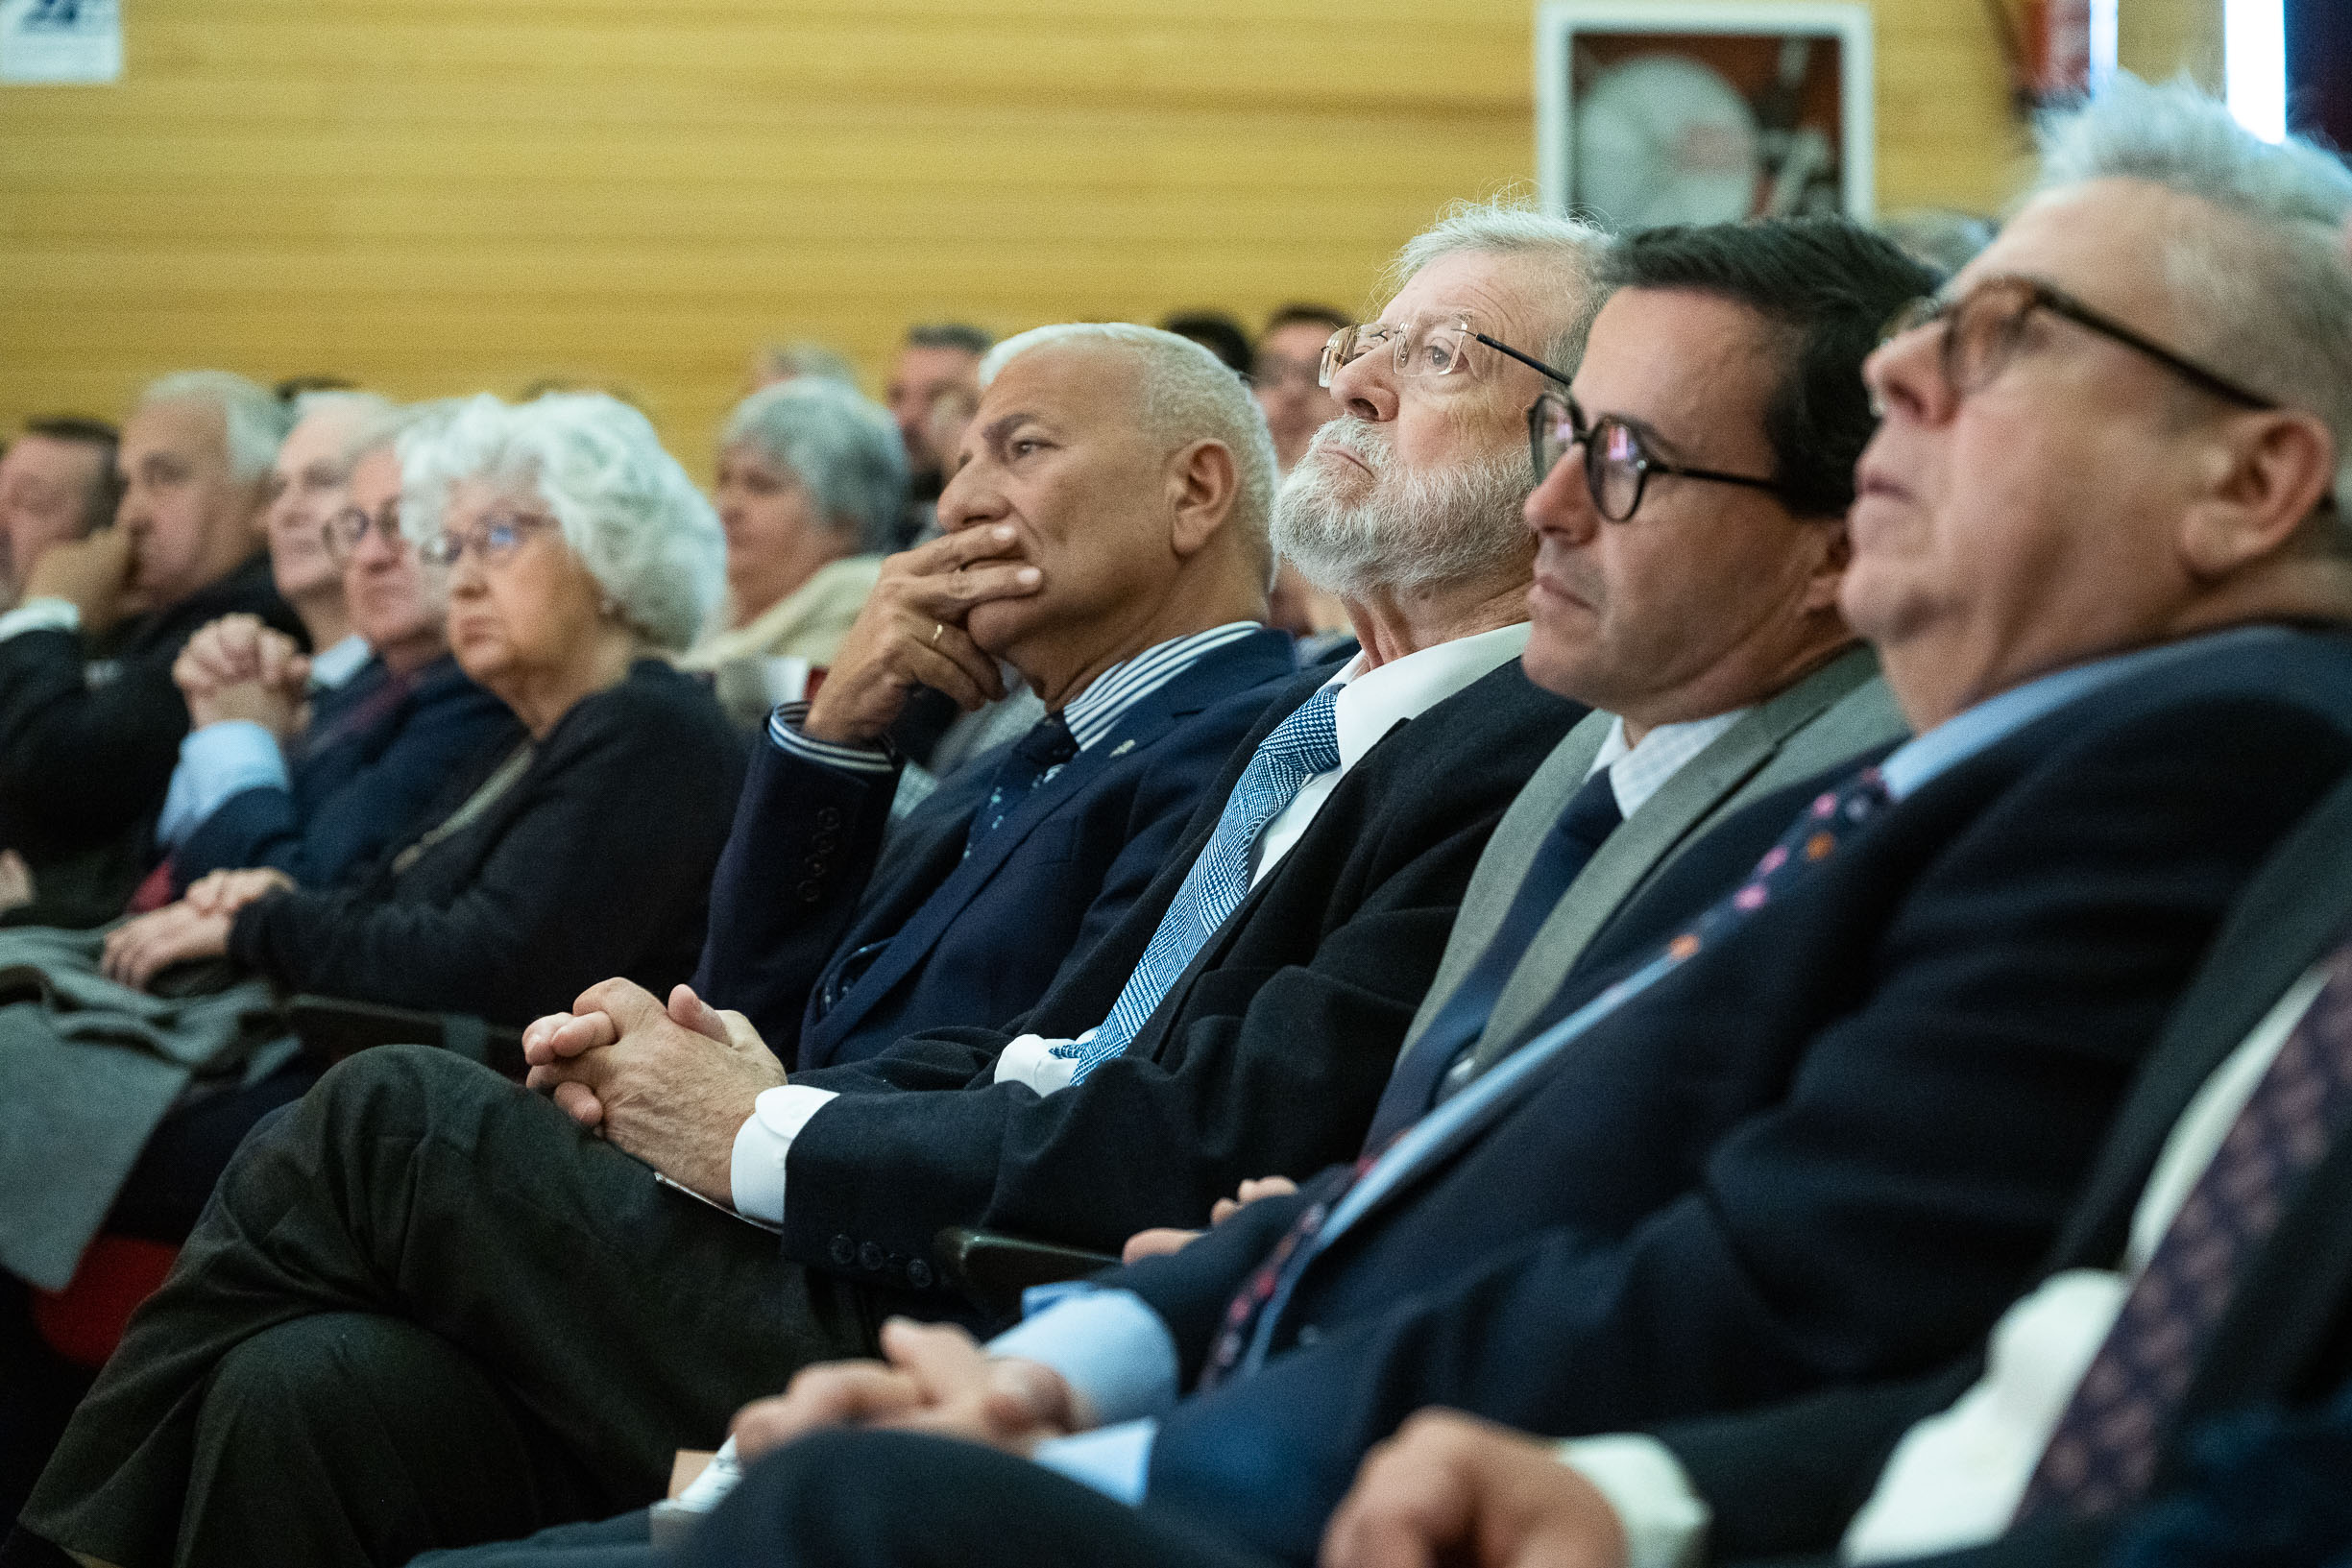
x=423, y=1308
x=853, y=1499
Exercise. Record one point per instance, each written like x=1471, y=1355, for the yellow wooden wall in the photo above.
x=438, y=196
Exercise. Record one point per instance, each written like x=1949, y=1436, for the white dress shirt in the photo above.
x=1638, y=772
x=1372, y=703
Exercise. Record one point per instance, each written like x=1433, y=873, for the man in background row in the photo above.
x=57, y=483
x=91, y=720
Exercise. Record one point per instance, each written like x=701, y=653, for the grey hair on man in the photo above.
x=1421, y=528
x=806, y=357
x=1185, y=394
x=253, y=421
x=843, y=449
x=2269, y=285
x=621, y=502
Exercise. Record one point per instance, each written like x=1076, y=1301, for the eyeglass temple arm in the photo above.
x=1533, y=364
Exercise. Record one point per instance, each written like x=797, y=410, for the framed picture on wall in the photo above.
x=1655, y=111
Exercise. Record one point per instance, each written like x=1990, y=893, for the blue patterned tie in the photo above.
x=1815, y=835
x=2103, y=1452
x=1027, y=763
x=1301, y=746
x=1576, y=836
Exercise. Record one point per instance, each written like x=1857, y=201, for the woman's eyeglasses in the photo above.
x=490, y=540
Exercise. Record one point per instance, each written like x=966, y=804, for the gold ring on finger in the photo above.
x=937, y=627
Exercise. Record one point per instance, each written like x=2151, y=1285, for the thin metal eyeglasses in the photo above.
x=490, y=540
x=1433, y=346
x=342, y=532
x=1618, y=460
x=1984, y=329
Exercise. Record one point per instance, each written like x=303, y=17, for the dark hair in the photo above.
x=972, y=340
x=1298, y=311
x=1829, y=286
x=1217, y=333
x=293, y=387
x=107, y=490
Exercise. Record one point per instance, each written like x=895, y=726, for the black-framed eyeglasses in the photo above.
x=1984, y=327
x=1433, y=346
x=490, y=540
x=1618, y=460
x=343, y=532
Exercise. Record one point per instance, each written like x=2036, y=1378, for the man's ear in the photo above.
x=1835, y=551
x=2263, y=480
x=1203, y=485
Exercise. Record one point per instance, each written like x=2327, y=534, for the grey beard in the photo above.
x=1412, y=529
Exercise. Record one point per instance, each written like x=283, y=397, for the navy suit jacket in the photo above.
x=1834, y=1146
x=364, y=789
x=834, y=951
x=1789, y=1478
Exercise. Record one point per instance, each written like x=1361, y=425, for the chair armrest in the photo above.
x=333, y=1028
x=993, y=1269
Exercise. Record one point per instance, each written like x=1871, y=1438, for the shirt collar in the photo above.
x=1372, y=702
x=1094, y=712
x=333, y=668
x=1994, y=719
x=1639, y=771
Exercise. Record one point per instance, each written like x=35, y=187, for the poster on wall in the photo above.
x=1657, y=112
x=60, y=40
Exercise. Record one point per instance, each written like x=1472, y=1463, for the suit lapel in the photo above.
x=2290, y=917
x=1653, y=833
x=1139, y=726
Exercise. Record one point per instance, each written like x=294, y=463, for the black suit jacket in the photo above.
x=834, y=959
x=1268, y=1053
x=1790, y=1478
x=1831, y=1148
x=595, y=862
x=84, y=760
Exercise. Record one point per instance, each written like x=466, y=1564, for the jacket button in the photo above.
x=828, y=818
x=827, y=842
x=918, y=1275
x=842, y=1250
x=810, y=892
x=871, y=1257
x=814, y=865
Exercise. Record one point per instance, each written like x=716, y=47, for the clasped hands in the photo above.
x=670, y=1085
x=237, y=669
x=196, y=927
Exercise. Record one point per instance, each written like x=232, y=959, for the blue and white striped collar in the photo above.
x=1094, y=712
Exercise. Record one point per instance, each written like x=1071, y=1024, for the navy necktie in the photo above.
x=2104, y=1450
x=1583, y=826
x=1029, y=762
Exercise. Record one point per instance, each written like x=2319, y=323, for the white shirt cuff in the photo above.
x=1030, y=1059
x=41, y=615
x=1107, y=1345
x=755, y=1175
x=1664, y=1520
x=1114, y=1461
x=217, y=762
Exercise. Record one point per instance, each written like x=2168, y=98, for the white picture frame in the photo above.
x=1617, y=24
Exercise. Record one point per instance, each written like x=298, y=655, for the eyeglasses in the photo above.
x=1617, y=461
x=343, y=532
x=1985, y=327
x=1433, y=346
x=490, y=540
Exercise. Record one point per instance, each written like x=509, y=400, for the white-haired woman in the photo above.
x=575, y=552
x=811, y=479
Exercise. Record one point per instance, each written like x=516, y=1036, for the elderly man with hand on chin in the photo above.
x=91, y=721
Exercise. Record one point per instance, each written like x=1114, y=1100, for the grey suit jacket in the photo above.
x=1840, y=710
